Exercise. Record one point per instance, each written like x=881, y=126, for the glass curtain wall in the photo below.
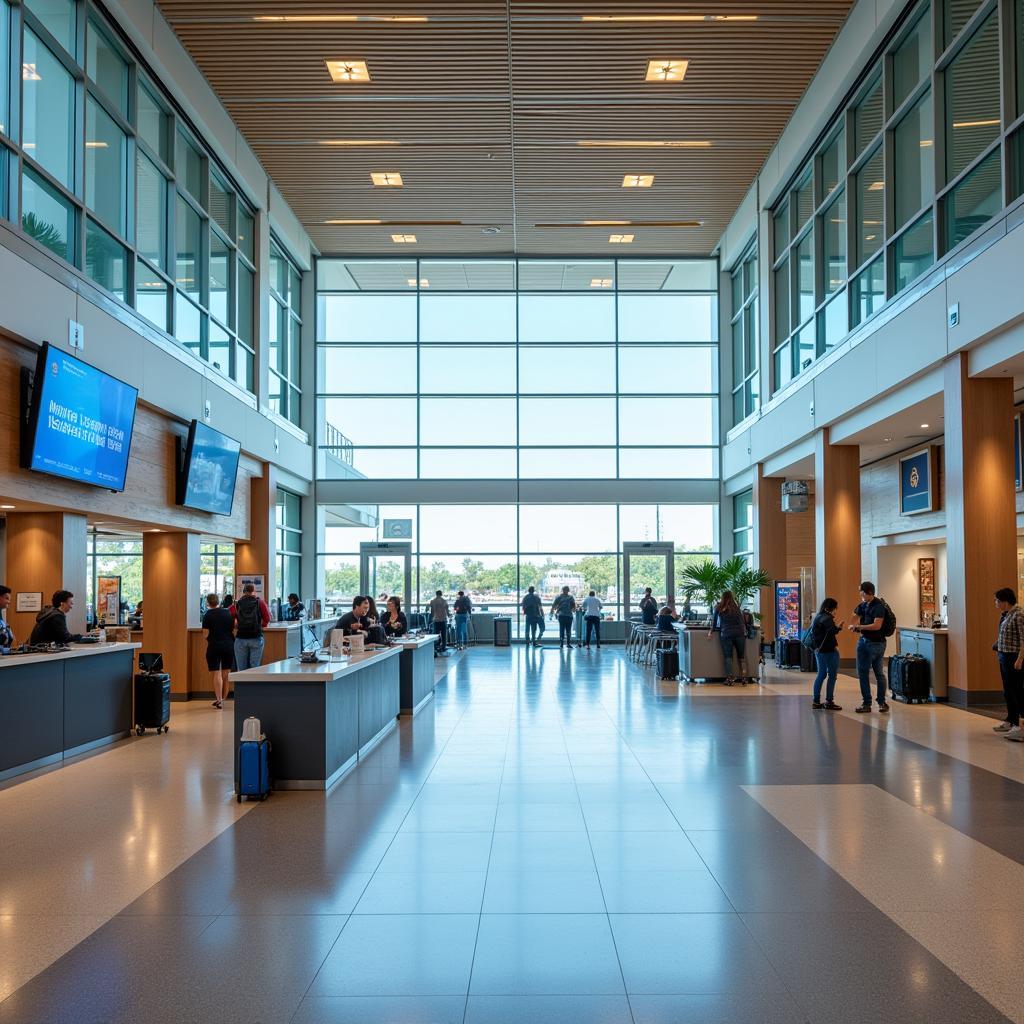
x=743, y=526
x=495, y=552
x=908, y=170
x=216, y=570
x=531, y=369
x=745, y=389
x=285, y=332
x=113, y=556
x=98, y=168
x=289, y=544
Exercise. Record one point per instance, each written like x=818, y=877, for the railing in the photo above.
x=338, y=444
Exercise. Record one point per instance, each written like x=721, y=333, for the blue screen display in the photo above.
x=85, y=418
x=210, y=470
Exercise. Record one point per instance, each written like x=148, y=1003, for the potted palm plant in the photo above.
x=704, y=582
x=742, y=580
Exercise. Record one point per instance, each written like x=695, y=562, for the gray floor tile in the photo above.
x=548, y=1010
x=437, y=851
x=541, y=851
x=720, y=1008
x=645, y=851
x=543, y=892
x=424, y=892
x=382, y=1010
x=663, y=892
x=545, y=954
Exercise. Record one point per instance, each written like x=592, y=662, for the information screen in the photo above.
x=82, y=421
x=211, y=465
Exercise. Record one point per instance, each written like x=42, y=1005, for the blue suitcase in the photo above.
x=254, y=769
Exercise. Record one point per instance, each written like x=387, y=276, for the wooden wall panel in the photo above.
x=800, y=547
x=258, y=555
x=769, y=542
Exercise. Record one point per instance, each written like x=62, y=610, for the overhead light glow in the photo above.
x=616, y=223
x=925, y=143
x=97, y=145
x=976, y=124
x=345, y=71
x=644, y=144
x=876, y=186
x=403, y=239
x=666, y=70
x=353, y=222
x=358, y=142
x=386, y=179
x=313, y=19
x=29, y=73
x=621, y=239
x=669, y=17
x=424, y=283
x=925, y=426
x=7, y=508
x=601, y=282
x=637, y=180
x=604, y=223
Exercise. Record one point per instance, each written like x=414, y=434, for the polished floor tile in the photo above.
x=548, y=1010
x=543, y=892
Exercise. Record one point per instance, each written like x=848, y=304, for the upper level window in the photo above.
x=744, y=327
x=285, y=334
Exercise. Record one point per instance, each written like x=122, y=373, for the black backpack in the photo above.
x=888, y=620
x=247, y=611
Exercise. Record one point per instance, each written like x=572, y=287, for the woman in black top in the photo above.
x=824, y=630
x=395, y=623
x=665, y=619
x=219, y=624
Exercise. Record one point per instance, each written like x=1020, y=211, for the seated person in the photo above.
x=294, y=610
x=355, y=621
x=666, y=617
x=52, y=622
x=395, y=623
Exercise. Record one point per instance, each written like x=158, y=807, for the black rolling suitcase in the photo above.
x=152, y=695
x=910, y=678
x=808, y=663
x=787, y=653
x=668, y=664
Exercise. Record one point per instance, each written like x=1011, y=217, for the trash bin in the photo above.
x=502, y=631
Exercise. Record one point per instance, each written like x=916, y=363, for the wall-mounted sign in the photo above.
x=108, y=600
x=926, y=589
x=787, y=609
x=258, y=580
x=398, y=529
x=918, y=482
x=29, y=602
x=1018, y=472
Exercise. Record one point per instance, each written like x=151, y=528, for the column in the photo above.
x=170, y=590
x=769, y=542
x=258, y=554
x=837, y=529
x=980, y=524
x=46, y=551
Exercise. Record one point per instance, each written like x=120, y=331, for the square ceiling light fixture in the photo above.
x=621, y=239
x=403, y=239
x=423, y=282
x=386, y=179
x=638, y=181
x=601, y=282
x=666, y=70
x=345, y=71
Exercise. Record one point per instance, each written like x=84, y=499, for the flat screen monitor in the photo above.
x=79, y=422
x=207, y=481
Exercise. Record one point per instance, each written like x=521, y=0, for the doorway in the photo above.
x=647, y=564
x=386, y=568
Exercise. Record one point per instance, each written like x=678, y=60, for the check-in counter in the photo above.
x=933, y=646
x=320, y=718
x=53, y=706
x=416, y=671
x=701, y=658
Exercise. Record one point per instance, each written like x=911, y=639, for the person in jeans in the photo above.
x=870, y=647
x=563, y=607
x=251, y=616
x=1009, y=648
x=463, y=610
x=439, y=617
x=731, y=626
x=824, y=630
x=533, y=609
x=648, y=608
x=592, y=616
x=220, y=647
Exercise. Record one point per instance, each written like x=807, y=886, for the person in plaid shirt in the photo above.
x=1009, y=647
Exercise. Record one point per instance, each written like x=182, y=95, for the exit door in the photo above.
x=386, y=568
x=647, y=564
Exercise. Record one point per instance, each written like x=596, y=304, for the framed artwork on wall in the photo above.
x=926, y=589
x=918, y=481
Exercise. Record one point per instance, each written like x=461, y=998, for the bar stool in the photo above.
x=658, y=641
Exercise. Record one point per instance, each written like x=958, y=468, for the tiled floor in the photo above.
x=555, y=837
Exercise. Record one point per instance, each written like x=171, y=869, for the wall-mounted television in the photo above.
x=77, y=421
x=208, y=468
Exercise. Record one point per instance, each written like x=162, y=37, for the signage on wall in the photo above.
x=787, y=609
x=917, y=482
x=259, y=581
x=398, y=529
x=926, y=589
x=29, y=602
x=108, y=600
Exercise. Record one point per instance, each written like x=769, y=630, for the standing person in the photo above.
x=729, y=623
x=439, y=617
x=52, y=622
x=592, y=616
x=824, y=630
x=293, y=611
x=533, y=609
x=6, y=633
x=563, y=606
x=395, y=623
x=357, y=620
x=578, y=622
x=1009, y=647
x=463, y=610
x=870, y=647
x=251, y=616
x=219, y=624
x=648, y=608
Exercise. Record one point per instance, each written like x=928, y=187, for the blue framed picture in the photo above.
x=787, y=609
x=917, y=482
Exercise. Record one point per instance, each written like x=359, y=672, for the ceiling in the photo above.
x=481, y=105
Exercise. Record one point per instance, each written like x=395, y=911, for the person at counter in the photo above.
x=355, y=621
x=219, y=624
x=395, y=622
x=251, y=616
x=135, y=619
x=52, y=622
x=294, y=610
x=6, y=633
x=666, y=617
x=730, y=624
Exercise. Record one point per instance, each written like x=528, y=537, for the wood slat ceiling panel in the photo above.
x=484, y=103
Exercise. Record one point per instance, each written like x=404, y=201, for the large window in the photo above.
x=216, y=570
x=743, y=525
x=113, y=183
x=539, y=369
x=114, y=556
x=289, y=544
x=283, y=342
x=495, y=552
x=919, y=168
x=744, y=326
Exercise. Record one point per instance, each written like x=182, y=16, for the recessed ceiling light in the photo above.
x=386, y=179
x=403, y=239
x=619, y=223
x=876, y=186
x=976, y=124
x=601, y=282
x=886, y=439
x=315, y=18
x=30, y=74
x=367, y=143
x=621, y=239
x=96, y=145
x=424, y=283
x=925, y=426
x=7, y=508
x=605, y=223
x=346, y=71
x=925, y=143
x=637, y=180
x=353, y=222
x=668, y=17
x=644, y=144
x=666, y=70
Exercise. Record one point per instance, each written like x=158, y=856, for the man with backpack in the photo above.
x=876, y=623
x=463, y=611
x=251, y=616
x=533, y=609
